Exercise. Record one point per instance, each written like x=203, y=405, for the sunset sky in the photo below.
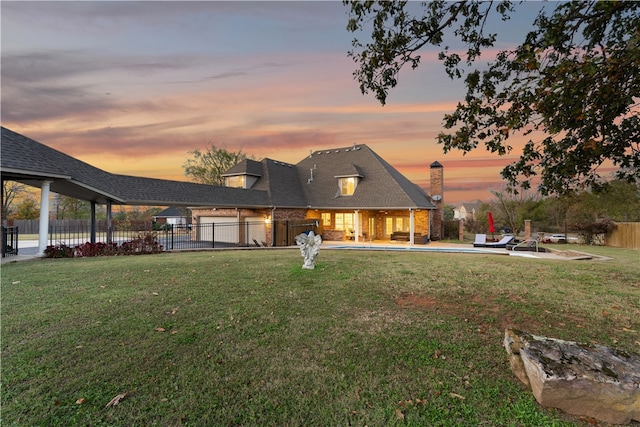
x=132, y=87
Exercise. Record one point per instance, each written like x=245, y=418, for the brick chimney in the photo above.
x=437, y=193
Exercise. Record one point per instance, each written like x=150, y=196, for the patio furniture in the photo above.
x=501, y=244
x=481, y=241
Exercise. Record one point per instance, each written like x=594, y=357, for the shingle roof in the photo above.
x=245, y=167
x=22, y=156
x=381, y=185
x=150, y=191
x=280, y=180
x=170, y=212
x=29, y=161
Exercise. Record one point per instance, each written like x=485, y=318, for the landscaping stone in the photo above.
x=581, y=379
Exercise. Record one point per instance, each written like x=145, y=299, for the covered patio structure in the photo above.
x=29, y=162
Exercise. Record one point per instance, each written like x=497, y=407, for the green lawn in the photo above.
x=230, y=338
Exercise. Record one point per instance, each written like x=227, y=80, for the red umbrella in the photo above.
x=492, y=229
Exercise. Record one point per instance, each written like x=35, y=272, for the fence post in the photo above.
x=93, y=222
x=4, y=241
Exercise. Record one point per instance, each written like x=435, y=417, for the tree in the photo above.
x=208, y=167
x=28, y=209
x=574, y=78
x=512, y=209
x=449, y=212
x=71, y=208
x=11, y=190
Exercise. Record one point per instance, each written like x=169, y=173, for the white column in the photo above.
x=412, y=227
x=43, y=234
x=356, y=226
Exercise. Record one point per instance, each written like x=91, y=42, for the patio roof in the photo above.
x=30, y=162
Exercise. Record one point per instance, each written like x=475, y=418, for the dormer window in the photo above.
x=237, y=181
x=347, y=185
x=348, y=180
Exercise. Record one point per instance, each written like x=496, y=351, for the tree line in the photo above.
x=588, y=213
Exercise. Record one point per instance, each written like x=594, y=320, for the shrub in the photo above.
x=592, y=232
x=144, y=243
x=59, y=251
x=451, y=229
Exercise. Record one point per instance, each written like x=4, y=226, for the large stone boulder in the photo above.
x=581, y=379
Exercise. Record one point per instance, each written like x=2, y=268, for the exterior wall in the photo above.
x=242, y=214
x=289, y=214
x=460, y=213
x=421, y=223
x=421, y=220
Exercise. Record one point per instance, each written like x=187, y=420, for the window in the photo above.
x=235, y=181
x=347, y=185
x=326, y=220
x=395, y=223
x=345, y=221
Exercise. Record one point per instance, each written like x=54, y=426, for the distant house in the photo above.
x=467, y=210
x=173, y=215
x=351, y=192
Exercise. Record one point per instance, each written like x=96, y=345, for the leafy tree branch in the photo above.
x=574, y=79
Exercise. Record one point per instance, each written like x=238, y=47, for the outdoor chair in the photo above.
x=501, y=244
x=481, y=241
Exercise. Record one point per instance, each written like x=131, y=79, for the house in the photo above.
x=467, y=210
x=173, y=215
x=352, y=192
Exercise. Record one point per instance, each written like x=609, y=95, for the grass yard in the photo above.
x=248, y=338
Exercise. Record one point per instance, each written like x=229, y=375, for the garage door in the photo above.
x=225, y=229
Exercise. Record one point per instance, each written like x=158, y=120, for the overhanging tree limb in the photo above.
x=574, y=79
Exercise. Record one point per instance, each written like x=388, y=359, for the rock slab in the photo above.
x=581, y=379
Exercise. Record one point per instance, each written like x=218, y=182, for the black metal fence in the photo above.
x=74, y=233
x=213, y=235
x=171, y=237
x=9, y=241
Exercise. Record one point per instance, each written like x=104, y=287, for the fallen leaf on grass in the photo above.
x=159, y=329
x=155, y=293
x=457, y=396
x=116, y=400
x=174, y=332
x=81, y=401
x=399, y=414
